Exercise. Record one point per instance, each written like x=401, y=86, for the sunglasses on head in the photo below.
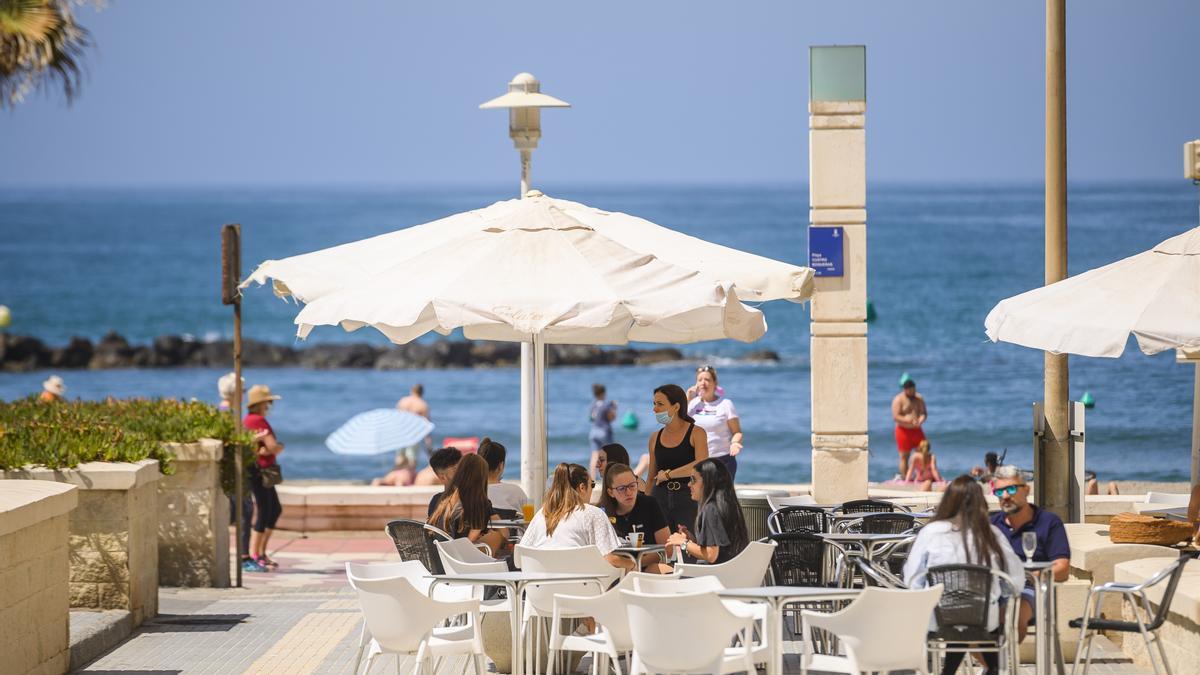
x=706, y=369
x=1006, y=491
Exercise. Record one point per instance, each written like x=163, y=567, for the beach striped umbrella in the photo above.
x=379, y=430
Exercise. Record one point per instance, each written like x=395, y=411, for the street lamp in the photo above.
x=524, y=102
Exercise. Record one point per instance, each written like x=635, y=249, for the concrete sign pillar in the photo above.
x=837, y=199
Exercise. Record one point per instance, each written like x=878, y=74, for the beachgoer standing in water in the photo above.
x=415, y=404
x=601, y=414
x=909, y=413
x=716, y=415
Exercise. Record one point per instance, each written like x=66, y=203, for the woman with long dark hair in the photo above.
x=960, y=533
x=567, y=520
x=720, y=529
x=674, y=450
x=465, y=510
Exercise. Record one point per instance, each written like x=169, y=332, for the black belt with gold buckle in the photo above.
x=674, y=485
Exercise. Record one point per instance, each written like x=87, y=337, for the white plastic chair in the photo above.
x=760, y=648
x=465, y=550
x=404, y=621
x=882, y=630
x=746, y=570
x=1167, y=498
x=539, y=598
x=448, y=552
x=612, y=637
x=780, y=502
x=413, y=570
x=686, y=633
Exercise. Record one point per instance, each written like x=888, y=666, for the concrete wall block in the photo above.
x=839, y=475
x=100, y=541
x=844, y=298
x=837, y=163
x=839, y=385
x=99, y=566
x=113, y=596
x=101, y=510
x=85, y=594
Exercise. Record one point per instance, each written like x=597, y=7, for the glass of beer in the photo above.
x=527, y=511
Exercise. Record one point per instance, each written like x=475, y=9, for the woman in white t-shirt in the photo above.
x=715, y=414
x=505, y=497
x=567, y=520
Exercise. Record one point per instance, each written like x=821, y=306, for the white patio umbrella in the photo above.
x=540, y=270
x=1154, y=295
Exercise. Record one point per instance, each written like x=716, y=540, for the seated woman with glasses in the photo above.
x=630, y=510
x=720, y=528
x=567, y=520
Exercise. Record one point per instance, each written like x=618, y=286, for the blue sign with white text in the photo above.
x=825, y=251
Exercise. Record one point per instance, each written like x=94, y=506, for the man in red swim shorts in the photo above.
x=908, y=411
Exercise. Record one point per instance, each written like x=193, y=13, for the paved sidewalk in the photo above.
x=302, y=618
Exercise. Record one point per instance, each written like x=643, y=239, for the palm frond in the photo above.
x=31, y=60
x=33, y=19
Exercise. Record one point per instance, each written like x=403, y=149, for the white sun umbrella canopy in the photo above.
x=1155, y=296
x=377, y=431
x=537, y=270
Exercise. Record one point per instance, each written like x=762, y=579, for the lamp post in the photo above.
x=524, y=102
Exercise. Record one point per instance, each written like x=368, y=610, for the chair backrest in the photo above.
x=799, y=559
x=1167, y=498
x=582, y=559
x=867, y=506
x=884, y=629
x=1164, y=605
x=462, y=550
x=888, y=523
x=777, y=503
x=693, y=640
x=414, y=541
x=608, y=609
x=798, y=519
x=395, y=612
x=413, y=570
x=747, y=569
x=677, y=585
x=962, y=611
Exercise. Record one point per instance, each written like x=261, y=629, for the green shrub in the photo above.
x=64, y=434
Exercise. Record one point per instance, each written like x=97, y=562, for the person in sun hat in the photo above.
x=264, y=475
x=53, y=390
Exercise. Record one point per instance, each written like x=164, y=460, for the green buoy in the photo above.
x=1088, y=400
x=904, y=379
x=870, y=311
x=629, y=420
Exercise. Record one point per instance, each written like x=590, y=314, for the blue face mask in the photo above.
x=663, y=418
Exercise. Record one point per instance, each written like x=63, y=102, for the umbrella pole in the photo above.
x=533, y=418
x=1196, y=427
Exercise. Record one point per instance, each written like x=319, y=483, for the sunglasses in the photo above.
x=706, y=369
x=1006, y=491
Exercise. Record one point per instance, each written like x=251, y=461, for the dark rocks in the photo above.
x=23, y=353
x=763, y=355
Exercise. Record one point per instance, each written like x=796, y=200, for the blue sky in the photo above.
x=301, y=92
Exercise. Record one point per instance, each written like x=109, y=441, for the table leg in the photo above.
x=774, y=631
x=1042, y=663
x=517, y=659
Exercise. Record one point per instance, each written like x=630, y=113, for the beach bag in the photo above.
x=1136, y=528
x=271, y=475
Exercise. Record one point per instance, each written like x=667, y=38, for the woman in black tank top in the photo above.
x=673, y=451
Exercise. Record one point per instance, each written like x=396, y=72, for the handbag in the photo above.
x=271, y=475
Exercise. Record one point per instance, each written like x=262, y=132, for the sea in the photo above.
x=146, y=262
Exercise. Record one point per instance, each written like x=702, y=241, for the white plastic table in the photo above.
x=778, y=597
x=515, y=582
x=636, y=552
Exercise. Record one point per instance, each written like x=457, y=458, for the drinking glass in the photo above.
x=527, y=511
x=1029, y=544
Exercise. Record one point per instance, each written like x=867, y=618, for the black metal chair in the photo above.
x=799, y=559
x=868, y=506
x=888, y=523
x=962, y=612
x=414, y=541
x=1146, y=622
x=809, y=519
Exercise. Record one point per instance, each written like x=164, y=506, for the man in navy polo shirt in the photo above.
x=1016, y=517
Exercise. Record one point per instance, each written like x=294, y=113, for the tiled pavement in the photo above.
x=302, y=618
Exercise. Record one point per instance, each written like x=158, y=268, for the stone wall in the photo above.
x=34, y=601
x=113, y=534
x=193, y=518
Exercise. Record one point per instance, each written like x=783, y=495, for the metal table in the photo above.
x=636, y=552
x=515, y=582
x=778, y=597
x=860, y=545
x=1048, y=648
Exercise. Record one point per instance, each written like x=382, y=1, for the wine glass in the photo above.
x=1029, y=544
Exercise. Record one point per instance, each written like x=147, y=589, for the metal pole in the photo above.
x=526, y=166
x=1196, y=428
x=1054, y=485
x=533, y=427
x=239, y=490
